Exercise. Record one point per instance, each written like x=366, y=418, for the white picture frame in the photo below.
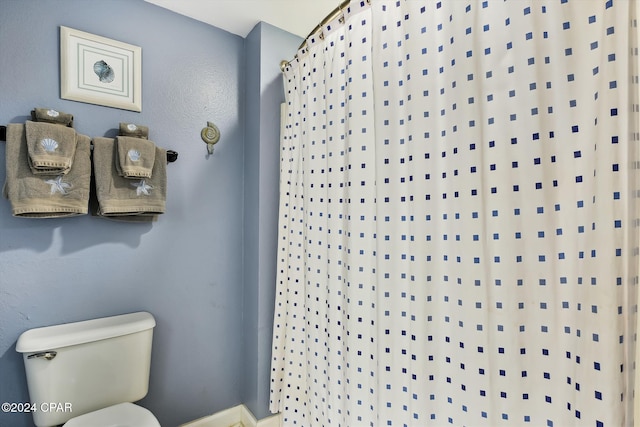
x=101, y=71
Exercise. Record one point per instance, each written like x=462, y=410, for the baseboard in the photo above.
x=238, y=416
x=271, y=421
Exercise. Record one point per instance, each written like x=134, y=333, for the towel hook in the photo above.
x=210, y=135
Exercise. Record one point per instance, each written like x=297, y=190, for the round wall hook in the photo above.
x=210, y=135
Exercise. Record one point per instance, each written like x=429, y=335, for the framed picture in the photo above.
x=101, y=71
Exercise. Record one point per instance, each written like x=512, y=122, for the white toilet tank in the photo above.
x=75, y=368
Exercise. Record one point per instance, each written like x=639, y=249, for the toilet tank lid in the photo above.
x=68, y=334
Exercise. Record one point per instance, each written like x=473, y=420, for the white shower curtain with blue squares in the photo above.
x=458, y=236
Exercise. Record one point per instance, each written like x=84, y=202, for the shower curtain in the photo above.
x=458, y=232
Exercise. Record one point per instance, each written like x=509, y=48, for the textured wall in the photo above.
x=265, y=47
x=186, y=268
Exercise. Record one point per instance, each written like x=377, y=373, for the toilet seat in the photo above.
x=120, y=415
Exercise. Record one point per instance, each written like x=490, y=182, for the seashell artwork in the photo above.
x=49, y=145
x=132, y=127
x=104, y=71
x=52, y=113
x=134, y=155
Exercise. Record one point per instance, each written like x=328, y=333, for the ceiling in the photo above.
x=240, y=16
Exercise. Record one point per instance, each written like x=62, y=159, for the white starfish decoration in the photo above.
x=58, y=186
x=142, y=187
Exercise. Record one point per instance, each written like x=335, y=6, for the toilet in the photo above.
x=88, y=373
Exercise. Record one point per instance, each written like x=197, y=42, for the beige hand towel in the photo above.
x=52, y=196
x=119, y=196
x=51, y=147
x=49, y=115
x=136, y=157
x=133, y=130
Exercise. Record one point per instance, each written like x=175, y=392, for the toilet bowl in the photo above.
x=97, y=368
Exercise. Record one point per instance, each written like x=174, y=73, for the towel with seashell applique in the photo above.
x=51, y=147
x=134, y=130
x=117, y=196
x=136, y=157
x=52, y=196
x=50, y=115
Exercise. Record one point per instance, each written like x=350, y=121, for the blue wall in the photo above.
x=265, y=47
x=187, y=268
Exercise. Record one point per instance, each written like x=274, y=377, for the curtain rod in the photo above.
x=330, y=17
